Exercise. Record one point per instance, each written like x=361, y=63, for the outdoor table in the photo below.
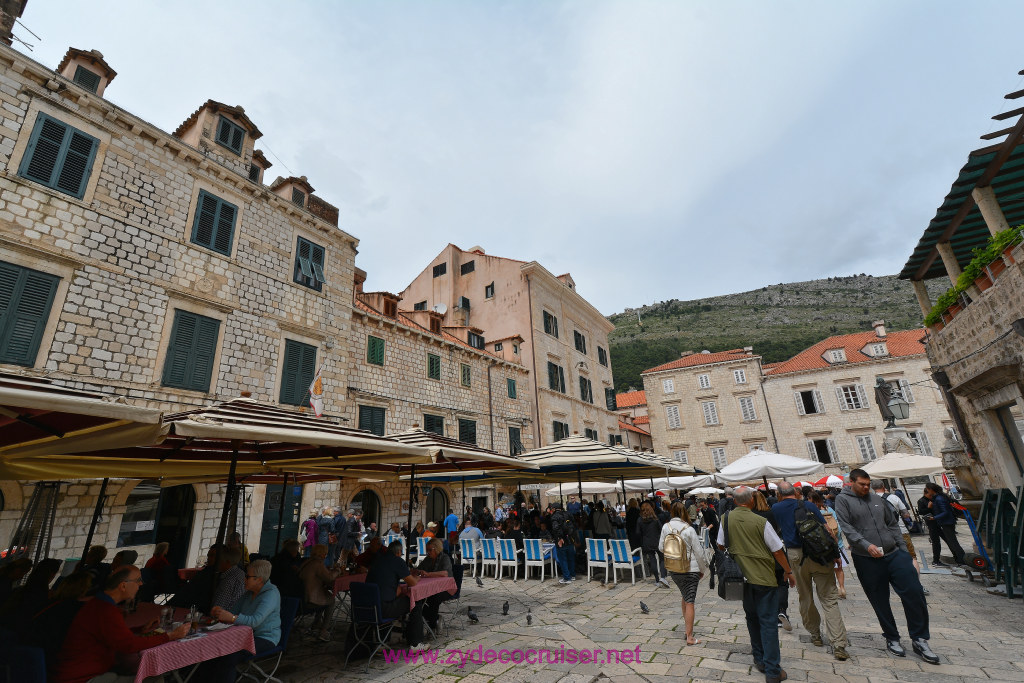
x=187, y=573
x=428, y=586
x=192, y=651
x=342, y=584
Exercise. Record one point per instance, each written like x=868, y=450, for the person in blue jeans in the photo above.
x=755, y=546
x=562, y=531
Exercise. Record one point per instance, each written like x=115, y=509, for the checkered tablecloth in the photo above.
x=428, y=586
x=342, y=583
x=161, y=659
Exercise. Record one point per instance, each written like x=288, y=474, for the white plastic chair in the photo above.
x=597, y=556
x=509, y=557
x=489, y=556
x=538, y=556
x=623, y=558
x=469, y=553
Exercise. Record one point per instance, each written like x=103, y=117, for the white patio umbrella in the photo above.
x=901, y=465
x=758, y=464
x=670, y=482
x=706, y=491
x=588, y=487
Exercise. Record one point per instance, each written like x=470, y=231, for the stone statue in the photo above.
x=883, y=394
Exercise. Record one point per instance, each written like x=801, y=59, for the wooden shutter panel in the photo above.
x=237, y=136
x=225, y=227
x=179, y=349
x=908, y=395
x=205, y=220
x=203, y=351
x=90, y=80
x=317, y=261
x=840, y=398
x=43, y=151
x=799, y=403
x=922, y=439
x=819, y=405
x=224, y=132
x=26, y=297
x=77, y=163
x=862, y=395
x=290, y=373
x=811, y=450
x=833, y=454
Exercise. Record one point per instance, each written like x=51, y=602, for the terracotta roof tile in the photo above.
x=631, y=428
x=642, y=420
x=628, y=399
x=695, y=359
x=904, y=343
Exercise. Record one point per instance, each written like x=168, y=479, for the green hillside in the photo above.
x=778, y=321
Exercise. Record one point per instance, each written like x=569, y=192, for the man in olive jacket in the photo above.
x=755, y=546
x=880, y=555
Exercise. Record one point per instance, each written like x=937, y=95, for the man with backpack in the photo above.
x=563, y=531
x=812, y=552
x=684, y=559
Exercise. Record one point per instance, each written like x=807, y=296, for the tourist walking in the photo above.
x=945, y=519
x=649, y=529
x=755, y=546
x=881, y=559
x=832, y=524
x=684, y=558
x=563, y=532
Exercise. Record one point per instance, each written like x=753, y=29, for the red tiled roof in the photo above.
x=631, y=428
x=904, y=343
x=695, y=359
x=642, y=420
x=628, y=399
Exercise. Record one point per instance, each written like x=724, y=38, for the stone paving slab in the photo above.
x=978, y=636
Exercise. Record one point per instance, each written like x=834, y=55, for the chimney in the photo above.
x=879, y=326
x=86, y=69
x=684, y=354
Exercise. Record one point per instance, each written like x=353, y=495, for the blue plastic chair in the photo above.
x=289, y=607
x=538, y=556
x=597, y=556
x=421, y=547
x=624, y=558
x=367, y=612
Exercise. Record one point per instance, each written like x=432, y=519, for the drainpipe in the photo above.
x=767, y=410
x=536, y=382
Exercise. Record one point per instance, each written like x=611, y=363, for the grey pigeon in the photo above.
x=644, y=608
x=473, y=618
x=479, y=582
x=504, y=608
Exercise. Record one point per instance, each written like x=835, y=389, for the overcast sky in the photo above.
x=655, y=150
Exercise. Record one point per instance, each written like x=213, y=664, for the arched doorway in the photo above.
x=436, y=508
x=174, y=525
x=368, y=501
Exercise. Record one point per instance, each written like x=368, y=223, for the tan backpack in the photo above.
x=677, y=553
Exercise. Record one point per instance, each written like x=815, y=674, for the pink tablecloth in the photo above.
x=187, y=573
x=426, y=587
x=342, y=583
x=188, y=651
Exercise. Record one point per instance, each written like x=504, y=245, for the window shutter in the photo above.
x=862, y=396
x=908, y=395
x=205, y=346
x=583, y=388
x=811, y=452
x=190, y=352
x=511, y=387
x=43, y=150
x=176, y=364
x=78, y=158
x=205, y=220
x=371, y=419
x=841, y=398
x=433, y=423
x=819, y=405
x=433, y=366
x=224, y=132
x=225, y=228
x=237, y=136
x=305, y=267
x=833, y=454
x=609, y=399
x=26, y=297
x=799, y=403
x=561, y=379
x=922, y=439
x=90, y=80
x=467, y=431
x=290, y=373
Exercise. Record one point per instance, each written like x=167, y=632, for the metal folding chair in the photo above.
x=367, y=616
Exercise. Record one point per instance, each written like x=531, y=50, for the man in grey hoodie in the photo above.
x=881, y=558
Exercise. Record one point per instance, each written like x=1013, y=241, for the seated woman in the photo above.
x=436, y=563
x=319, y=588
x=259, y=608
x=159, y=568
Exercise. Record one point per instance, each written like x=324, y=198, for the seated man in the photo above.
x=199, y=589
x=259, y=608
x=373, y=551
x=471, y=532
x=98, y=634
x=284, y=571
x=98, y=569
x=436, y=563
x=387, y=571
x=231, y=581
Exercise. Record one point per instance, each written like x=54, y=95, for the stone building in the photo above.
x=563, y=339
x=707, y=409
x=822, y=400
x=634, y=422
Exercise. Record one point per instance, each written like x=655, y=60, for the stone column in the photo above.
x=985, y=198
x=945, y=250
x=922, y=296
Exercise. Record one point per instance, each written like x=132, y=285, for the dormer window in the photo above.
x=390, y=308
x=476, y=341
x=435, y=325
x=230, y=135
x=879, y=350
x=298, y=197
x=837, y=356
x=90, y=80
x=254, y=173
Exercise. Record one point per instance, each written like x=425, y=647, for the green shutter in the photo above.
x=230, y=135
x=59, y=156
x=371, y=419
x=609, y=399
x=225, y=228
x=467, y=431
x=433, y=366
x=297, y=372
x=317, y=261
x=433, y=423
x=90, y=80
x=515, y=441
x=44, y=150
x=190, y=351
x=214, y=223
x=511, y=387
x=375, y=350
x=561, y=379
x=26, y=297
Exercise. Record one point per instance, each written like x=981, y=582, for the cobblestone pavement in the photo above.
x=978, y=636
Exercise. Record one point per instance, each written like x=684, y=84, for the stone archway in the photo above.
x=369, y=502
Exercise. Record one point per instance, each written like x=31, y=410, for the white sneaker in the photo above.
x=571, y=579
x=665, y=581
x=562, y=581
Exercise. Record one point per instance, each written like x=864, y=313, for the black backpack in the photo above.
x=730, y=576
x=818, y=543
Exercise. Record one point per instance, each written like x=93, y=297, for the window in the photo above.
x=435, y=325
x=808, y=402
x=230, y=135
x=866, y=446
x=419, y=306
x=214, y=224
x=511, y=386
x=901, y=388
x=309, y=264
x=704, y=381
x=59, y=156
x=515, y=348
x=390, y=308
x=879, y=350
x=615, y=439
x=740, y=376
x=680, y=457
x=515, y=441
x=297, y=372
x=602, y=356
x=254, y=173
x=551, y=324
x=747, y=409
x=138, y=523
x=851, y=397
x=823, y=450
x=756, y=447
x=672, y=417
x=498, y=346
x=718, y=457
x=837, y=356
x=371, y=419
x=298, y=197
x=433, y=423
x=374, y=350
x=90, y=80
x=440, y=269
x=433, y=366
x=586, y=390
x=189, y=363
x=609, y=399
x=710, y=412
x=466, y=375
x=467, y=267
x=561, y=430
x=579, y=341
x=920, y=440
x=590, y=433
x=668, y=386
x=556, y=377
x=476, y=341
x=467, y=431
x=489, y=291
x=26, y=297
x=464, y=302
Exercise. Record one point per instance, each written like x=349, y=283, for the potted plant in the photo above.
x=940, y=311
x=1005, y=240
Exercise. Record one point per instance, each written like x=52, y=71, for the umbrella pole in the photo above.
x=579, y=480
x=280, y=513
x=652, y=486
x=100, y=500
x=765, y=485
x=463, y=510
x=561, y=501
x=622, y=480
x=229, y=496
x=408, y=521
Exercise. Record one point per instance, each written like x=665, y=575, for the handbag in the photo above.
x=730, y=576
